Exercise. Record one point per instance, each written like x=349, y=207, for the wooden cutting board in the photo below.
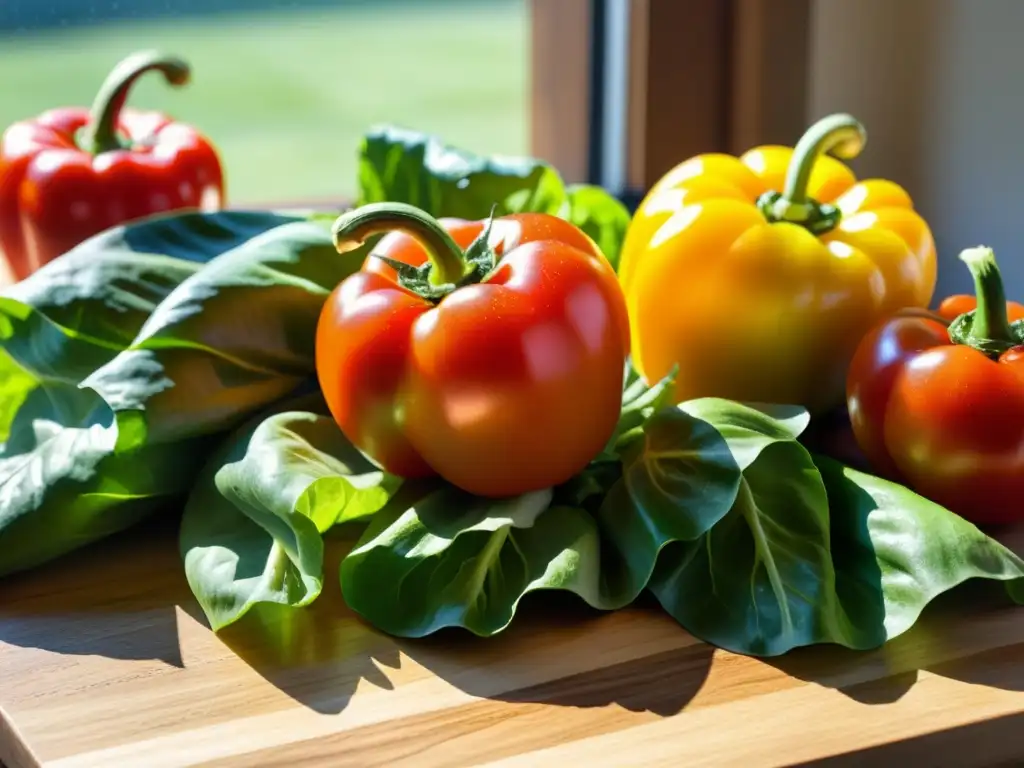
x=105, y=660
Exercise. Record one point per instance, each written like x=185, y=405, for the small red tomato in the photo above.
x=941, y=407
x=488, y=353
x=954, y=306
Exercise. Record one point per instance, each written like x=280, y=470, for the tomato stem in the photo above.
x=841, y=135
x=352, y=228
x=987, y=328
x=100, y=134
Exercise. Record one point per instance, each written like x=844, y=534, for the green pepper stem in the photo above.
x=352, y=228
x=840, y=135
x=991, y=322
x=100, y=135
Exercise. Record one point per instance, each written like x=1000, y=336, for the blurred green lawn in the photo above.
x=287, y=96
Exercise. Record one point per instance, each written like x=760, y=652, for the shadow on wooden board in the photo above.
x=992, y=743
x=318, y=656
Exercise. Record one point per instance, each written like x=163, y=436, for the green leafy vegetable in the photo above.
x=436, y=557
x=600, y=215
x=431, y=557
x=231, y=339
x=402, y=166
x=761, y=581
x=101, y=430
x=106, y=288
x=398, y=165
x=683, y=475
x=809, y=551
x=251, y=532
x=895, y=551
x=68, y=475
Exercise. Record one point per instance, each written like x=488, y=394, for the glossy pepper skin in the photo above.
x=71, y=173
x=495, y=360
x=939, y=406
x=762, y=296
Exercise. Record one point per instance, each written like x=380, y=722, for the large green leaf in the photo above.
x=894, y=551
x=437, y=557
x=399, y=165
x=814, y=552
x=105, y=288
x=64, y=479
x=676, y=482
x=682, y=471
x=761, y=580
x=251, y=532
x=232, y=338
x=100, y=431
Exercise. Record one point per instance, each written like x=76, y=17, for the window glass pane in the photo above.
x=285, y=91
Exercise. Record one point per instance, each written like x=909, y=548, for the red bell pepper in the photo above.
x=498, y=367
x=940, y=407
x=71, y=172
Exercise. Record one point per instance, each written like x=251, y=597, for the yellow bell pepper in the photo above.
x=761, y=295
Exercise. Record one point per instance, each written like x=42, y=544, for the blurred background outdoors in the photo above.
x=285, y=88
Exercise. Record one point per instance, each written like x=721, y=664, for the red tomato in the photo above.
x=936, y=410
x=509, y=384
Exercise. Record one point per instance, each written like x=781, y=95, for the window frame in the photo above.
x=701, y=75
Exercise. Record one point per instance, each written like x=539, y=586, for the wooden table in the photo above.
x=105, y=660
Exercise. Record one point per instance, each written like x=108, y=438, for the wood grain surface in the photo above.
x=105, y=660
